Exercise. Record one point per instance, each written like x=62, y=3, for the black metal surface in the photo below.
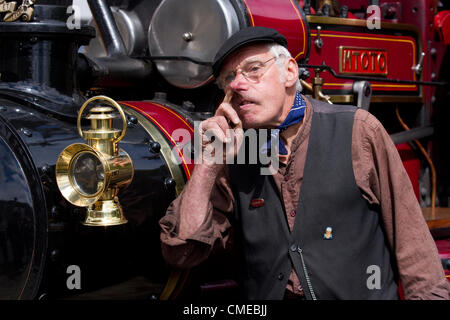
x=23, y=220
x=115, y=72
x=104, y=19
x=38, y=60
x=415, y=133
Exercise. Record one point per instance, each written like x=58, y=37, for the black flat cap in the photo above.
x=244, y=37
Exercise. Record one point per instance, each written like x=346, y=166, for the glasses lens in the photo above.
x=225, y=80
x=87, y=173
x=252, y=71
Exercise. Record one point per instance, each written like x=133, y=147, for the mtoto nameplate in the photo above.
x=367, y=61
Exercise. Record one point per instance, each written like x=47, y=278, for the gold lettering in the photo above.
x=356, y=54
x=381, y=66
x=366, y=64
x=373, y=55
x=347, y=60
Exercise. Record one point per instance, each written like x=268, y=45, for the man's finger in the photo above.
x=225, y=109
x=228, y=96
x=210, y=129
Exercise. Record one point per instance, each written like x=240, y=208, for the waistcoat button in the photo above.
x=280, y=276
x=294, y=247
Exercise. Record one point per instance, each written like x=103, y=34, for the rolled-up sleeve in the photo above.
x=384, y=182
x=212, y=234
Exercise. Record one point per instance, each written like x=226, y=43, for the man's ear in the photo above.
x=291, y=72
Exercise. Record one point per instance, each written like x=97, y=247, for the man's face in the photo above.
x=261, y=104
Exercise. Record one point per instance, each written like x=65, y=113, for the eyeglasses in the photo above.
x=252, y=71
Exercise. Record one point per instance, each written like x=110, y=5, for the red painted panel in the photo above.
x=442, y=25
x=401, y=52
x=167, y=121
x=285, y=17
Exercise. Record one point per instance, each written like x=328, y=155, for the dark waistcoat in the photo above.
x=355, y=263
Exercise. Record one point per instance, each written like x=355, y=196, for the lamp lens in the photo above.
x=88, y=173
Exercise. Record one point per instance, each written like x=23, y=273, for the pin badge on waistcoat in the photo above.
x=256, y=203
x=328, y=235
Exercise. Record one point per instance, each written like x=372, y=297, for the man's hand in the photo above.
x=226, y=128
x=222, y=132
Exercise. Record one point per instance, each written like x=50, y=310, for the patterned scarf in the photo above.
x=294, y=116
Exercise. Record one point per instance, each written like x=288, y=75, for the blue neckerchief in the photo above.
x=294, y=116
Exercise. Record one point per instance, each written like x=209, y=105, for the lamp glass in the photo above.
x=87, y=173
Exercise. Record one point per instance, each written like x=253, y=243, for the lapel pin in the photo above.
x=256, y=203
x=328, y=235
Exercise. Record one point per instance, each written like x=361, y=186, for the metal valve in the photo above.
x=318, y=42
x=418, y=67
x=317, y=83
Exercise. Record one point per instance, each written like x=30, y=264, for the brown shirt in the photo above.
x=383, y=181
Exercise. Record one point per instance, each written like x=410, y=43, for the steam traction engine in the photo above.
x=95, y=118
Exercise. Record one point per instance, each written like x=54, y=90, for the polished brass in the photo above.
x=306, y=85
x=330, y=5
x=361, y=23
x=24, y=12
x=317, y=83
x=90, y=175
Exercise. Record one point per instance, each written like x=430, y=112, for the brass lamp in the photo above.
x=90, y=175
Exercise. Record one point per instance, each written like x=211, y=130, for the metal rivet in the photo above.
x=188, y=105
x=45, y=168
x=26, y=132
x=160, y=96
x=155, y=147
x=54, y=211
x=55, y=254
x=169, y=183
x=188, y=36
x=132, y=120
x=43, y=296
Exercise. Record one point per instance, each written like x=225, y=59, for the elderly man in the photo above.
x=337, y=220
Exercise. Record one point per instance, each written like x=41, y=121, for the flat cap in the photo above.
x=242, y=38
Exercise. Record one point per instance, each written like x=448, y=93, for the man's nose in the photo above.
x=238, y=82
